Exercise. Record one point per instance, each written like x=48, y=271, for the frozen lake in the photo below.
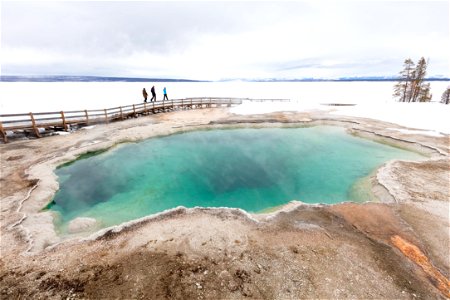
x=23, y=97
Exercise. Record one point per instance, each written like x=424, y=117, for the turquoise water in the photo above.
x=253, y=169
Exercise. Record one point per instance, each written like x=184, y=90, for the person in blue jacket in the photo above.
x=165, y=94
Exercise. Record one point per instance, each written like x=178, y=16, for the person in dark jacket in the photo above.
x=144, y=93
x=153, y=94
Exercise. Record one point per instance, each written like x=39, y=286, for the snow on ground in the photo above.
x=424, y=132
x=249, y=107
x=432, y=117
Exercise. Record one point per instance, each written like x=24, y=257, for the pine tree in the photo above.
x=399, y=88
x=411, y=86
x=409, y=92
x=418, y=87
x=403, y=87
x=424, y=94
x=446, y=96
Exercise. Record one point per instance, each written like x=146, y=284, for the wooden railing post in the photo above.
x=145, y=107
x=2, y=131
x=87, y=117
x=121, y=113
x=64, y=124
x=33, y=123
x=106, y=116
x=134, y=111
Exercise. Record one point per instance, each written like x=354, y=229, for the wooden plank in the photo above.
x=76, y=121
x=39, y=120
x=17, y=127
x=73, y=112
x=64, y=121
x=46, y=113
x=96, y=110
x=87, y=116
x=18, y=121
x=33, y=122
x=14, y=115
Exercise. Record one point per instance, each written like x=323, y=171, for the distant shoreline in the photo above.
x=64, y=78
x=57, y=78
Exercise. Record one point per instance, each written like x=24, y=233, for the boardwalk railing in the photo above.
x=38, y=123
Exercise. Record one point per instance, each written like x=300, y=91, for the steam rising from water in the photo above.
x=252, y=169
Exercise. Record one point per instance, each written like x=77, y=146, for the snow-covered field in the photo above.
x=373, y=99
x=432, y=117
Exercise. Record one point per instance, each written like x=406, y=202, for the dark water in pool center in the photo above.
x=252, y=169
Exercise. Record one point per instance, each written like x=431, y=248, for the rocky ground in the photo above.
x=397, y=248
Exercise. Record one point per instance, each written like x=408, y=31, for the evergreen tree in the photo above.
x=446, y=96
x=424, y=93
x=420, y=91
x=403, y=87
x=411, y=86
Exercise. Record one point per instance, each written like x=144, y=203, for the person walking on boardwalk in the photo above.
x=165, y=94
x=144, y=93
x=153, y=94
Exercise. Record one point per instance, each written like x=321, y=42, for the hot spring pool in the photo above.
x=252, y=169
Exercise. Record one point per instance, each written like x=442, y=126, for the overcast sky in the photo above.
x=214, y=40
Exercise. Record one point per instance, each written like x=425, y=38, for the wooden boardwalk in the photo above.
x=37, y=123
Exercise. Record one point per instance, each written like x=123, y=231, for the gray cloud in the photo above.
x=125, y=27
x=221, y=39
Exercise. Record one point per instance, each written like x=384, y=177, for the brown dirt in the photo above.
x=300, y=254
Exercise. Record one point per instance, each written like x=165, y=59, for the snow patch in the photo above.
x=429, y=118
x=423, y=132
x=250, y=108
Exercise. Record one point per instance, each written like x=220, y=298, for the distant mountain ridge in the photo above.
x=65, y=78
x=364, y=78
